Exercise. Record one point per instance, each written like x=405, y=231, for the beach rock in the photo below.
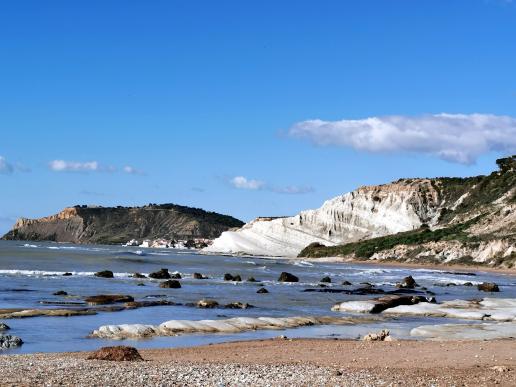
x=160, y=274
x=199, y=276
x=230, y=277
x=118, y=353
x=251, y=279
x=60, y=293
x=4, y=327
x=170, y=284
x=325, y=279
x=287, y=277
x=138, y=275
x=383, y=335
x=488, y=287
x=67, y=274
x=175, y=276
x=378, y=305
x=407, y=283
x=262, y=291
x=8, y=341
x=207, y=304
x=105, y=299
x=104, y=274
x=346, y=283
x=239, y=305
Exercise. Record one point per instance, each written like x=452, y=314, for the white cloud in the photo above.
x=5, y=167
x=241, y=182
x=74, y=166
x=459, y=138
x=132, y=171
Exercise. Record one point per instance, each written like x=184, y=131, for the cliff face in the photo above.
x=414, y=206
x=82, y=224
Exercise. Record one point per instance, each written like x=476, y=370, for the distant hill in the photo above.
x=109, y=225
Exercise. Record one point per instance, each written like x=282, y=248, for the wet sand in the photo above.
x=281, y=362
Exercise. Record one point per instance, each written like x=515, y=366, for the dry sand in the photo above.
x=284, y=362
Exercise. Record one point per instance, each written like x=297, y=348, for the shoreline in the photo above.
x=413, y=265
x=281, y=362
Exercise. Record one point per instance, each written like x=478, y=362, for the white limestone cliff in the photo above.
x=367, y=212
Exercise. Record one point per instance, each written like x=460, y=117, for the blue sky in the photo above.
x=208, y=103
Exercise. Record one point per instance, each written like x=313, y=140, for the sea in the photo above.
x=31, y=272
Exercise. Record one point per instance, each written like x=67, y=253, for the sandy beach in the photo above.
x=280, y=362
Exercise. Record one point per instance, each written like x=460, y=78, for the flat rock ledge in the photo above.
x=232, y=325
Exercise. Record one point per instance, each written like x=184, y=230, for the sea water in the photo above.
x=30, y=272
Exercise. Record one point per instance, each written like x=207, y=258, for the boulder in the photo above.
x=8, y=341
x=383, y=335
x=287, y=277
x=118, y=353
x=407, y=283
x=326, y=279
x=4, y=327
x=207, y=304
x=105, y=299
x=104, y=274
x=67, y=274
x=170, y=284
x=239, y=305
x=488, y=287
x=262, y=291
x=346, y=283
x=160, y=274
x=251, y=279
x=175, y=276
x=199, y=276
x=60, y=293
x=138, y=275
x=230, y=277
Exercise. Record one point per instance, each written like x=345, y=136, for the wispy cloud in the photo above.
x=89, y=166
x=132, y=170
x=460, y=138
x=7, y=168
x=241, y=182
x=91, y=193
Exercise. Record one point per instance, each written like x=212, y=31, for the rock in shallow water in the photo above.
x=488, y=287
x=170, y=284
x=4, y=327
x=8, y=341
x=118, y=353
x=104, y=274
x=104, y=299
x=160, y=274
x=262, y=291
x=287, y=277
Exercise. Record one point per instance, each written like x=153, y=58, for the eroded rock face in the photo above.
x=287, y=277
x=118, y=353
x=8, y=341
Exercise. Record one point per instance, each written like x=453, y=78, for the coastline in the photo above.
x=281, y=362
x=413, y=265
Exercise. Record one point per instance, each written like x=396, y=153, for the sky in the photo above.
x=248, y=108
